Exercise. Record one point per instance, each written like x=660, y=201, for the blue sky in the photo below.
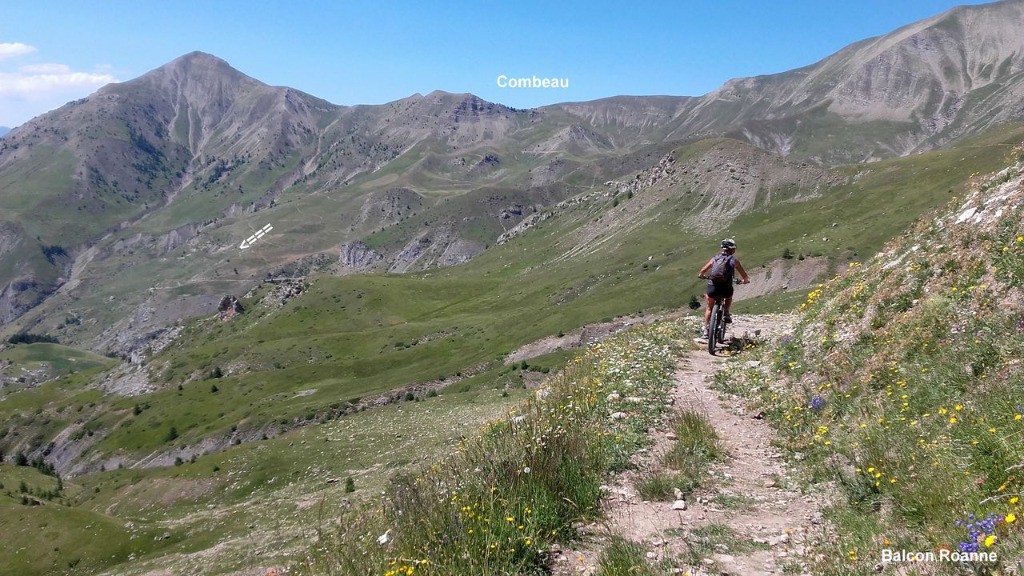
x=353, y=52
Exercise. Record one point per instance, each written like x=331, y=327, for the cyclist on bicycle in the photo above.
x=721, y=268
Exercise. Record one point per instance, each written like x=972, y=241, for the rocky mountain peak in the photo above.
x=198, y=77
x=464, y=104
x=199, y=61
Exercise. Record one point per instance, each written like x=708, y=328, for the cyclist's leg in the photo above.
x=710, y=296
x=726, y=291
x=710, y=293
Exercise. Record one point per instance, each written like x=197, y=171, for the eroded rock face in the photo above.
x=357, y=257
x=438, y=247
x=152, y=326
x=10, y=237
x=12, y=304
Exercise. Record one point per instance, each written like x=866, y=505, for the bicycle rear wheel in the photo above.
x=713, y=327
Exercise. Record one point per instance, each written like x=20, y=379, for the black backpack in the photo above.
x=721, y=269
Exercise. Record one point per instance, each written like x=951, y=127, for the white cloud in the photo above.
x=37, y=84
x=45, y=69
x=14, y=49
x=32, y=90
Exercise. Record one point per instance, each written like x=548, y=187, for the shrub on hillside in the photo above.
x=27, y=338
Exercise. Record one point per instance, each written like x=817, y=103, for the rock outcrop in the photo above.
x=229, y=307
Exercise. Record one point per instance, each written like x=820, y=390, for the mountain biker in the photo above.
x=721, y=267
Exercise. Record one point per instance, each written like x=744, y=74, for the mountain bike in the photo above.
x=716, y=327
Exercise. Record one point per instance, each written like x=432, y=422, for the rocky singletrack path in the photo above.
x=752, y=496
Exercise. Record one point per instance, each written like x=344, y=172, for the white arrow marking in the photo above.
x=252, y=239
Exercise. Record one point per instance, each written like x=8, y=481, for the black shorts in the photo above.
x=719, y=290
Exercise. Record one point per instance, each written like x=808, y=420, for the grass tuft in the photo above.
x=622, y=557
x=685, y=465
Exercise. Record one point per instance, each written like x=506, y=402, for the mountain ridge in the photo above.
x=183, y=161
x=872, y=80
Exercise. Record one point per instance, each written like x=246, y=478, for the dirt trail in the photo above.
x=751, y=492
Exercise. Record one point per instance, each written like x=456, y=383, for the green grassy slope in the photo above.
x=49, y=360
x=901, y=387
x=255, y=502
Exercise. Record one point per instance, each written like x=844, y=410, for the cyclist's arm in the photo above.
x=705, y=269
x=743, y=273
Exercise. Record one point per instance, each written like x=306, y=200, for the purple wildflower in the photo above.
x=817, y=403
x=977, y=530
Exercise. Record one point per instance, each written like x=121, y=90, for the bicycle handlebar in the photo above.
x=734, y=280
